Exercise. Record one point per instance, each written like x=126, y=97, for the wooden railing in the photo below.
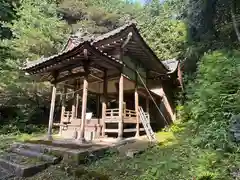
x=129, y=113
x=129, y=116
x=112, y=113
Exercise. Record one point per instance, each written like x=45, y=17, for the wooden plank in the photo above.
x=130, y=130
x=115, y=120
x=120, y=123
x=131, y=120
x=51, y=114
x=111, y=130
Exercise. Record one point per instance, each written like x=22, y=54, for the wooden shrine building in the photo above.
x=110, y=76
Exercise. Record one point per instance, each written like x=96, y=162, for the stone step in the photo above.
x=21, y=166
x=135, y=148
x=67, y=151
x=33, y=147
x=5, y=174
x=36, y=154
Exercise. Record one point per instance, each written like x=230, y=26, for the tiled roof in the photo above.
x=111, y=33
x=45, y=59
x=77, y=41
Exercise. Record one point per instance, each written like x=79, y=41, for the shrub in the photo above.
x=214, y=97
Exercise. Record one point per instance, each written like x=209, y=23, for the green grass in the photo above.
x=176, y=157
x=7, y=139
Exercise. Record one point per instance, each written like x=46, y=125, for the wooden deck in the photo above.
x=70, y=127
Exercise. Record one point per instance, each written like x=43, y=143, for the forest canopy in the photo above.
x=181, y=29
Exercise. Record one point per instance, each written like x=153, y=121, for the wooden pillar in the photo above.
x=136, y=109
x=74, y=102
x=77, y=97
x=63, y=108
x=104, y=102
x=77, y=105
x=120, y=123
x=84, y=108
x=51, y=114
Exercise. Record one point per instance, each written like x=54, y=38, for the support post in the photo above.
x=77, y=105
x=77, y=98
x=63, y=108
x=120, y=123
x=104, y=102
x=51, y=114
x=136, y=109
x=84, y=109
x=74, y=102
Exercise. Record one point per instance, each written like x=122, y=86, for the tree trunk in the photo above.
x=235, y=24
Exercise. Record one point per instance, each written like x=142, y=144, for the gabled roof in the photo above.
x=137, y=47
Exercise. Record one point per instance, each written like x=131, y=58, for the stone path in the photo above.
x=29, y=158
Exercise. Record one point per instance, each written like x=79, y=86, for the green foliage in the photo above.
x=37, y=31
x=167, y=37
x=7, y=14
x=214, y=96
x=174, y=158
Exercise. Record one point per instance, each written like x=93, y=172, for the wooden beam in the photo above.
x=136, y=97
x=71, y=76
x=104, y=103
x=51, y=114
x=120, y=124
x=98, y=78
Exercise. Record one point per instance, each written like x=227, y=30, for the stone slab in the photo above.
x=4, y=174
x=135, y=148
x=21, y=166
x=35, y=154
